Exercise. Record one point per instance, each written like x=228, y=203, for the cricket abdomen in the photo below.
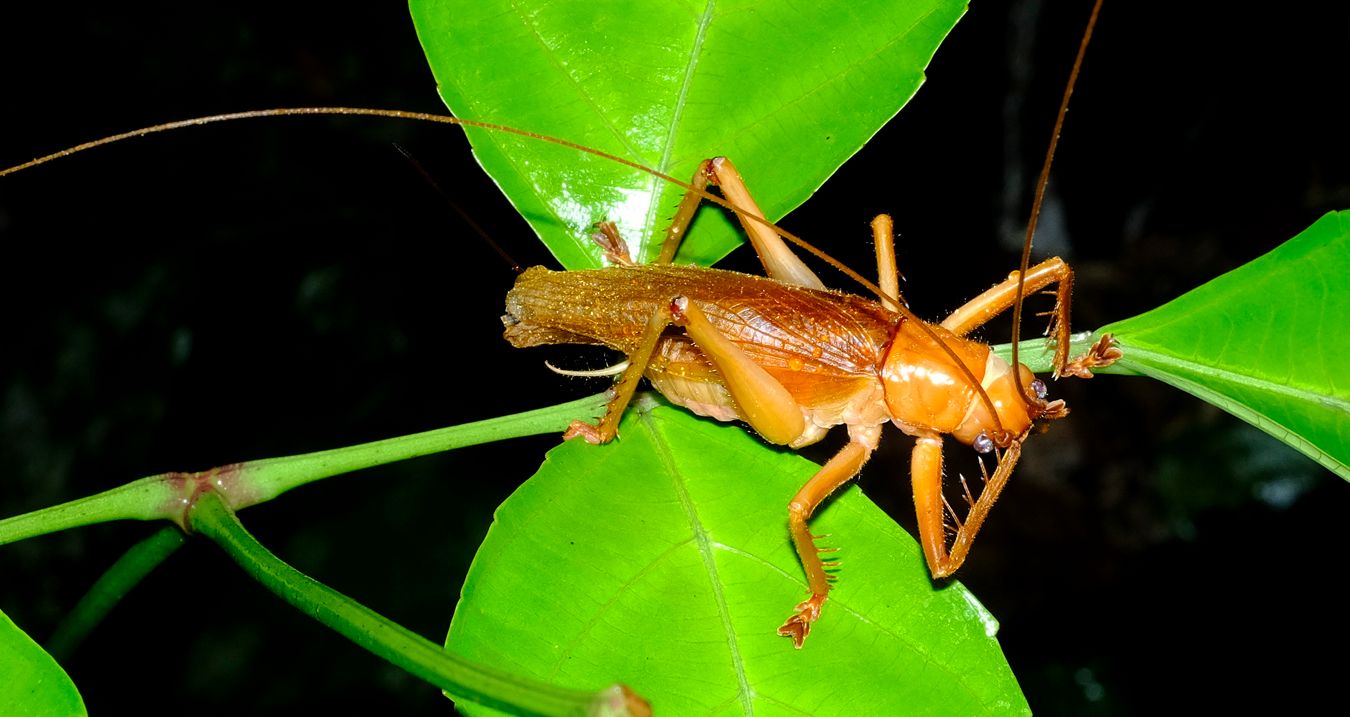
x=825, y=347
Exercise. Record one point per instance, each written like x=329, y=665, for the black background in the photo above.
x=281, y=286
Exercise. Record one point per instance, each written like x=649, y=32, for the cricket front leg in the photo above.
x=979, y=310
x=1102, y=353
x=843, y=466
x=932, y=509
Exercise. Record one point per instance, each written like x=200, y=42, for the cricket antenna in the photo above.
x=457, y=209
x=1044, y=180
x=445, y=119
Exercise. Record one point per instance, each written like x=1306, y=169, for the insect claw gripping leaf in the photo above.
x=798, y=626
x=589, y=433
x=1103, y=353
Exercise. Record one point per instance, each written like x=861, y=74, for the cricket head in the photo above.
x=1018, y=400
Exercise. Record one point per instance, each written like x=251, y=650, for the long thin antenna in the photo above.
x=1044, y=180
x=457, y=209
x=446, y=119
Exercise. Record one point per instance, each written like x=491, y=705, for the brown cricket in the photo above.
x=793, y=359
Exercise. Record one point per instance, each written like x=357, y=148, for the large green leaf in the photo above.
x=663, y=561
x=1265, y=342
x=788, y=90
x=33, y=684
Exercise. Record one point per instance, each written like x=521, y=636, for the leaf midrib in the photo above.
x=1153, y=357
x=1174, y=371
x=703, y=543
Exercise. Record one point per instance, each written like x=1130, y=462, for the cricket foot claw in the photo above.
x=1100, y=355
x=590, y=433
x=798, y=626
x=607, y=237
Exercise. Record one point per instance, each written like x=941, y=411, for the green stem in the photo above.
x=268, y=478
x=142, y=499
x=212, y=518
x=167, y=495
x=111, y=587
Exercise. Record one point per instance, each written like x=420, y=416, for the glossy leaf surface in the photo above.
x=787, y=90
x=1265, y=342
x=33, y=684
x=663, y=561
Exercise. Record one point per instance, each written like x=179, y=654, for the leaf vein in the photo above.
x=705, y=551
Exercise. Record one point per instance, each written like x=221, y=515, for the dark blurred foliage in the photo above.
x=281, y=286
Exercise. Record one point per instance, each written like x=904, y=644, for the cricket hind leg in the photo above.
x=931, y=508
x=764, y=403
x=778, y=259
x=761, y=400
x=842, y=467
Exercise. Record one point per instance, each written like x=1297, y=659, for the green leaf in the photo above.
x=33, y=683
x=787, y=90
x=663, y=561
x=1265, y=342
